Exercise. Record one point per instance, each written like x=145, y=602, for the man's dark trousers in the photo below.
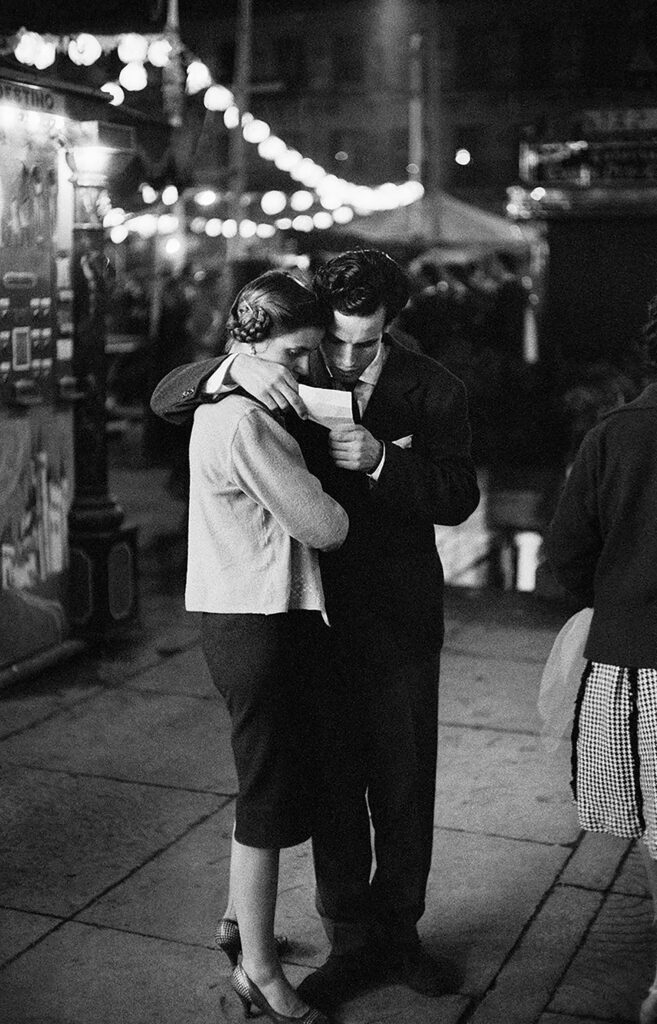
x=377, y=747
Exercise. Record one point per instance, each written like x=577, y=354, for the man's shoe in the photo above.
x=426, y=974
x=340, y=978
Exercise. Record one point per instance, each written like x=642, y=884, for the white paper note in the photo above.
x=327, y=407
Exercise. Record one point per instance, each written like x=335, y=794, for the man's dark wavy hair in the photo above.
x=358, y=282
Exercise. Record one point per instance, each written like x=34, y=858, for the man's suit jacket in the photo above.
x=384, y=587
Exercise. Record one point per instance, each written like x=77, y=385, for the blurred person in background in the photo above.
x=602, y=547
x=256, y=519
x=403, y=465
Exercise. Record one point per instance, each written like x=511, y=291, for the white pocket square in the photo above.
x=404, y=442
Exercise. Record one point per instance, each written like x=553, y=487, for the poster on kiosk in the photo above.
x=36, y=342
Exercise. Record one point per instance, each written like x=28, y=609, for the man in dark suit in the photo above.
x=404, y=465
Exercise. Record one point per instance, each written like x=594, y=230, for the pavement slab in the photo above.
x=482, y=890
x=491, y=640
x=179, y=894
x=503, y=784
x=527, y=980
x=87, y=974
x=19, y=930
x=614, y=967
x=136, y=736
x=632, y=877
x=184, y=673
x=32, y=701
x=596, y=861
x=498, y=694
x=67, y=839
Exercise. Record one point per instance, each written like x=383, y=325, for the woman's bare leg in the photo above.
x=254, y=887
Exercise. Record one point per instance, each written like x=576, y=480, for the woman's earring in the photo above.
x=253, y=349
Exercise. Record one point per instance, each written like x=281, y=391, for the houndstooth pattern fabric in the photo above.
x=615, y=753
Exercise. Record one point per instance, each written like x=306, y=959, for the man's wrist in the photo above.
x=376, y=471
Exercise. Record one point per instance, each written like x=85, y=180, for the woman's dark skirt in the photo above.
x=263, y=667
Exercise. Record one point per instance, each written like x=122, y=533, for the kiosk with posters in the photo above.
x=52, y=382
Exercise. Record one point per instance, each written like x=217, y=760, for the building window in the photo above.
x=291, y=61
x=601, y=53
x=467, y=155
x=355, y=153
x=473, y=63
x=226, y=61
x=347, y=60
x=535, y=56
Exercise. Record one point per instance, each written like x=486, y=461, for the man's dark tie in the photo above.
x=355, y=411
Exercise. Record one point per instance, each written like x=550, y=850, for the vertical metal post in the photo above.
x=103, y=591
x=237, y=147
x=415, y=110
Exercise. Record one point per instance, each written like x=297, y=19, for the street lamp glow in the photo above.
x=115, y=217
x=322, y=220
x=119, y=233
x=463, y=157
x=167, y=223
x=28, y=47
x=172, y=246
x=145, y=225
x=271, y=148
x=218, y=97
x=133, y=77
x=84, y=50
x=205, y=198
x=256, y=131
x=247, y=228
x=303, y=223
x=170, y=195
x=343, y=215
x=198, y=77
x=132, y=48
x=231, y=116
x=115, y=93
x=273, y=202
x=46, y=55
x=288, y=159
x=229, y=228
x=148, y=193
x=265, y=231
x=301, y=201
x=213, y=227
x=159, y=53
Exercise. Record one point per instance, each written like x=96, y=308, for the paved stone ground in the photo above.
x=117, y=799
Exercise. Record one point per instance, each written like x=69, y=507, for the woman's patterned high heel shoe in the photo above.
x=250, y=995
x=648, y=1011
x=227, y=939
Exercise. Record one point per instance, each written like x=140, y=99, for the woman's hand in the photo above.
x=270, y=383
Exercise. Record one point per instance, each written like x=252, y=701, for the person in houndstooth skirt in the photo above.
x=602, y=546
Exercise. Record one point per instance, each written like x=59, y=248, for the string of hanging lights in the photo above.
x=336, y=200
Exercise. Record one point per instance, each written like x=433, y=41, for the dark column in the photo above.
x=103, y=576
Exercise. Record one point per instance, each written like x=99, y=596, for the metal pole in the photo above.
x=237, y=147
x=415, y=110
x=173, y=78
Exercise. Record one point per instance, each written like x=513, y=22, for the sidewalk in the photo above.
x=118, y=792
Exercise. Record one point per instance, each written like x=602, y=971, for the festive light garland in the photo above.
x=338, y=198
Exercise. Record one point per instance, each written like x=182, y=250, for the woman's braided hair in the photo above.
x=273, y=302
x=251, y=324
